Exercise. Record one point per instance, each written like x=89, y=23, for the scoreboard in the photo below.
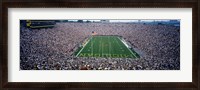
x=37, y=24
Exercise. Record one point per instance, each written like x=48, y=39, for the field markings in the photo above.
x=99, y=43
x=83, y=47
x=92, y=45
x=101, y=47
x=102, y=43
x=105, y=45
x=118, y=44
x=109, y=45
x=129, y=49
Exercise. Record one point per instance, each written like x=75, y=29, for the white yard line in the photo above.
x=101, y=47
x=110, y=48
x=129, y=49
x=132, y=52
x=83, y=47
x=92, y=46
x=109, y=45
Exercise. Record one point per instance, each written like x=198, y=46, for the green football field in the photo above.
x=106, y=46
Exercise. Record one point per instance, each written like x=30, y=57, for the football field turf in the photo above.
x=106, y=46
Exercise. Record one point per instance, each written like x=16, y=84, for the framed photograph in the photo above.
x=100, y=44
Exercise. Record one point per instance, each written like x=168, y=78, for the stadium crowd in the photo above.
x=53, y=48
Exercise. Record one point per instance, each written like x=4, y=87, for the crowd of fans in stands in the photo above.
x=53, y=48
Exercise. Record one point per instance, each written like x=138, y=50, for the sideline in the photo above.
x=83, y=47
x=128, y=48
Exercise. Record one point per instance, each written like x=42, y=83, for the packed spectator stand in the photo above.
x=53, y=48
